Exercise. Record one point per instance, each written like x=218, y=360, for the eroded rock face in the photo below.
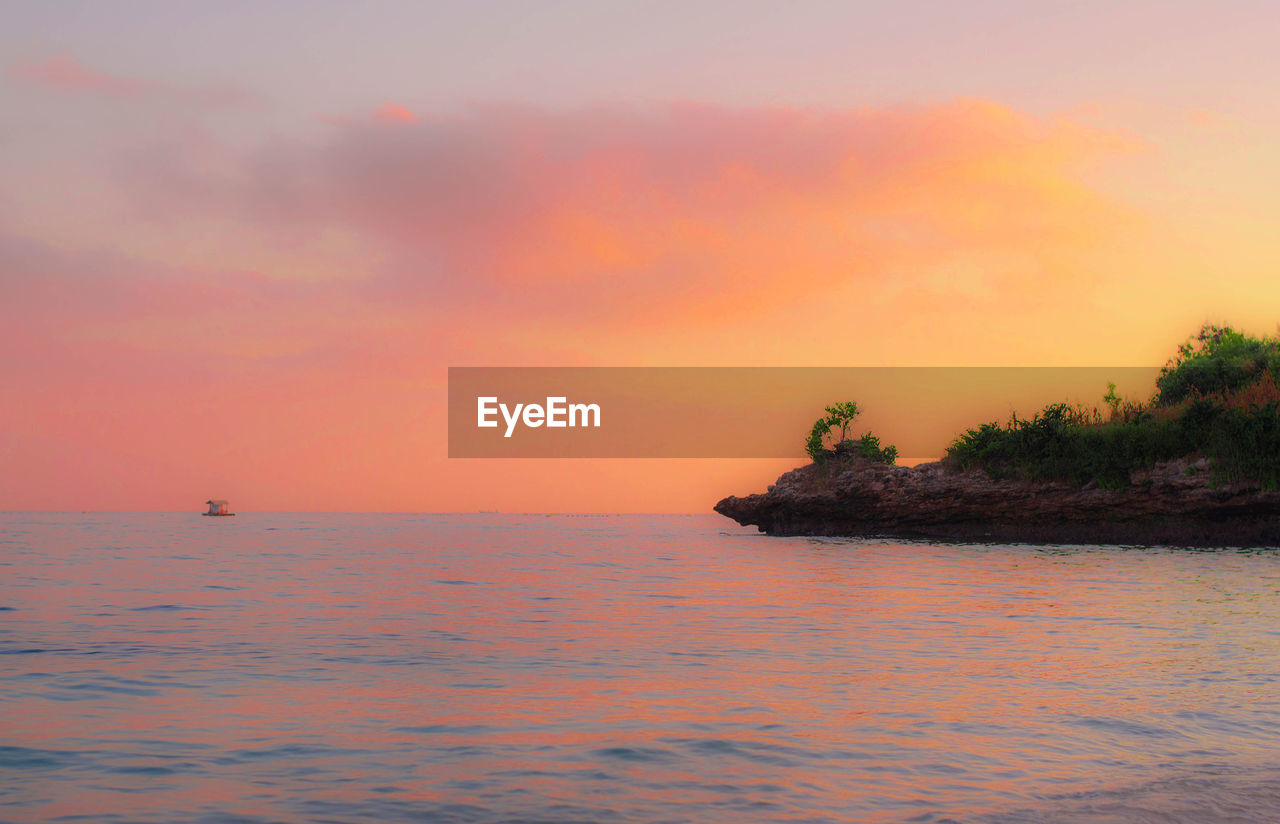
x=1174, y=503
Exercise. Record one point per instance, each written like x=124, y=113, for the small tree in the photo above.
x=842, y=415
x=1112, y=400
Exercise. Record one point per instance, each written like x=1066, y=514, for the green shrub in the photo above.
x=1217, y=361
x=1246, y=445
x=1219, y=397
x=869, y=447
x=1064, y=443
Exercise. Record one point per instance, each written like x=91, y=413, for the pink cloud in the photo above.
x=66, y=74
x=656, y=209
x=117, y=311
x=394, y=113
x=505, y=235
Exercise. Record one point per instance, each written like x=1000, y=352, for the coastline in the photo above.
x=1174, y=503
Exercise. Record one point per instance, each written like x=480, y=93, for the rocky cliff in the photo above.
x=1174, y=503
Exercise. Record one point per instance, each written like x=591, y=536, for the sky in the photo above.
x=241, y=243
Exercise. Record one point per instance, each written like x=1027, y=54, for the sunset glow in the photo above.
x=218, y=276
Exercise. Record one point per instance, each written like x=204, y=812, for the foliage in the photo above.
x=1064, y=443
x=1246, y=444
x=813, y=444
x=1217, y=361
x=1219, y=397
x=1112, y=400
x=868, y=446
x=839, y=414
x=842, y=415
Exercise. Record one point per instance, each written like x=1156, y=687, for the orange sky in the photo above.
x=207, y=292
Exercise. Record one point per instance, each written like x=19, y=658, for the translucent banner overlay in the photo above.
x=748, y=412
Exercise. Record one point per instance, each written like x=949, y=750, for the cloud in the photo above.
x=66, y=74
x=655, y=209
x=118, y=311
x=394, y=113
x=140, y=376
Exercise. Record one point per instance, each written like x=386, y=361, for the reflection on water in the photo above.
x=162, y=668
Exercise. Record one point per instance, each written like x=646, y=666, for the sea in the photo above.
x=465, y=668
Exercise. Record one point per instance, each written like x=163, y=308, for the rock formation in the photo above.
x=1175, y=503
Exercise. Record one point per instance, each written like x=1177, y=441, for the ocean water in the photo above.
x=505, y=668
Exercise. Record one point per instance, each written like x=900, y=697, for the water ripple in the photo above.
x=495, y=669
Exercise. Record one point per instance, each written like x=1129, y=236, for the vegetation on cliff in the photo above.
x=1218, y=398
x=841, y=415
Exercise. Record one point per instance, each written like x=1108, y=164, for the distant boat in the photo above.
x=218, y=508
